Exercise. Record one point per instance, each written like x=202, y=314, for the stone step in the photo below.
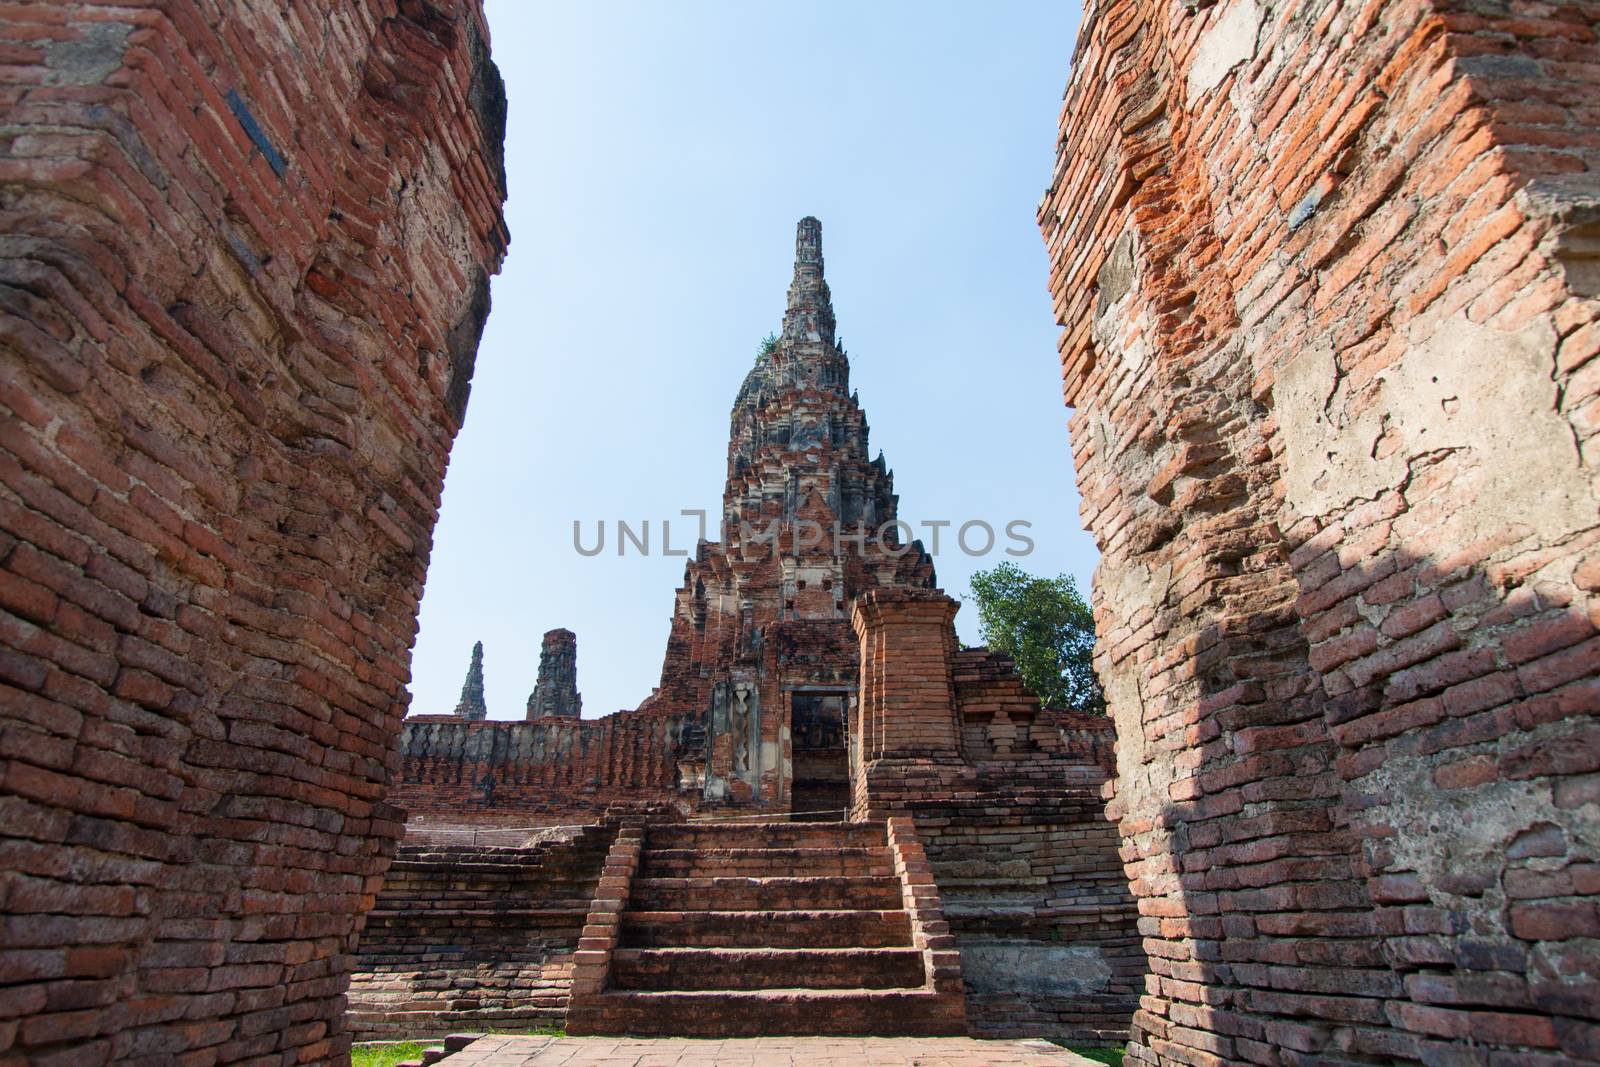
x=767, y=835
x=469, y=873
x=509, y=859
x=825, y=893
x=761, y=1012
x=564, y=912
x=759, y=862
x=769, y=929
x=767, y=968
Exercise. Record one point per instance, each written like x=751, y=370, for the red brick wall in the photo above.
x=476, y=936
x=1007, y=800
x=1325, y=275
x=246, y=258
x=546, y=772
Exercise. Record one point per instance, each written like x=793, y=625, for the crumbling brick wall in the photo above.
x=1327, y=281
x=245, y=270
x=549, y=771
x=1006, y=799
x=476, y=935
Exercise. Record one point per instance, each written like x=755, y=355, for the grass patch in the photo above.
x=537, y=1031
x=386, y=1055
x=1112, y=1056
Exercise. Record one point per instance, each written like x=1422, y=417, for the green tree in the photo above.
x=1043, y=624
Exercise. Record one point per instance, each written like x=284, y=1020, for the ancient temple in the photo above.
x=1326, y=279
x=761, y=641
x=956, y=873
x=762, y=663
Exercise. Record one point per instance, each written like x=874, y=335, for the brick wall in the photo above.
x=245, y=270
x=550, y=770
x=475, y=936
x=1006, y=798
x=1325, y=271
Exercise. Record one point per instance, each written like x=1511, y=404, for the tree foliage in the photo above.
x=769, y=345
x=1043, y=624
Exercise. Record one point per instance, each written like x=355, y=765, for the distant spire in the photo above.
x=555, y=694
x=472, y=705
x=810, y=313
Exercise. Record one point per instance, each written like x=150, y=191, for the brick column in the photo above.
x=907, y=700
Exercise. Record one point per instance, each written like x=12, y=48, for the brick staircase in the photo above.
x=474, y=935
x=730, y=930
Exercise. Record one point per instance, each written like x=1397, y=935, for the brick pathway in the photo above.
x=760, y=1052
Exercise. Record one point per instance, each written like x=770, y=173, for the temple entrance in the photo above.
x=821, y=789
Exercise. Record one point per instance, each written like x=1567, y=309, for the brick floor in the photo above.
x=760, y=1052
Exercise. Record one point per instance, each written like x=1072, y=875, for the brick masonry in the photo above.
x=1005, y=798
x=475, y=935
x=549, y=771
x=245, y=269
x=1326, y=276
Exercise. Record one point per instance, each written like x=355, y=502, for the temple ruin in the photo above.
x=1326, y=277
x=812, y=674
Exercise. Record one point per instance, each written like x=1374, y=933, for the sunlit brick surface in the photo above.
x=245, y=267
x=1326, y=276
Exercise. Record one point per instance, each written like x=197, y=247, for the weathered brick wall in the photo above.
x=1036, y=897
x=1327, y=281
x=1007, y=800
x=548, y=771
x=244, y=273
x=476, y=936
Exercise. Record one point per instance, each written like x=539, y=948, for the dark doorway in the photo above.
x=821, y=768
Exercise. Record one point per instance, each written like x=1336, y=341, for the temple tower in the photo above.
x=471, y=705
x=555, y=694
x=761, y=642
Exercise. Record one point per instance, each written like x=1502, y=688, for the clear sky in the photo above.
x=659, y=155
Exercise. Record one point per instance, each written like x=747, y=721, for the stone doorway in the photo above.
x=821, y=789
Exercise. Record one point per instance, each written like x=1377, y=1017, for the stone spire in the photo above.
x=472, y=705
x=555, y=695
x=809, y=316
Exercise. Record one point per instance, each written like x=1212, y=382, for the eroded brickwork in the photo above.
x=1325, y=271
x=475, y=935
x=1006, y=797
x=550, y=771
x=244, y=274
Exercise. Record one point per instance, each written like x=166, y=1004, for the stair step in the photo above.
x=767, y=835
x=757, y=862
x=765, y=894
x=754, y=1013
x=773, y=929
x=767, y=968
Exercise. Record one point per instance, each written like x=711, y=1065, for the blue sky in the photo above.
x=659, y=156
